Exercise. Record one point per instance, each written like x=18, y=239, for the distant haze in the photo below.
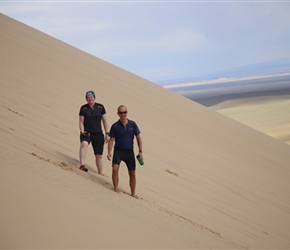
x=268, y=77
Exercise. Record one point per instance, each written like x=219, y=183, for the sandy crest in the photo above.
x=208, y=181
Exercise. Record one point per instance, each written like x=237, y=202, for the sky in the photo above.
x=165, y=40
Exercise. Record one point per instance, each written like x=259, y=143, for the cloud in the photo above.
x=179, y=40
x=175, y=37
x=21, y=8
x=124, y=31
x=174, y=41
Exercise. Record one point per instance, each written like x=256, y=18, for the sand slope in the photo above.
x=208, y=182
x=268, y=114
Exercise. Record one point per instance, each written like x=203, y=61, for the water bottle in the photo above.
x=140, y=160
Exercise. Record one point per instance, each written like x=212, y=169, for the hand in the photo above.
x=141, y=154
x=85, y=133
x=109, y=157
x=107, y=138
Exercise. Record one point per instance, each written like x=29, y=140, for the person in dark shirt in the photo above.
x=123, y=133
x=90, y=117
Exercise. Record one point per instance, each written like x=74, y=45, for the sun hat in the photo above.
x=90, y=92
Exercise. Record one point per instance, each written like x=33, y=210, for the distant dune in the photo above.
x=248, y=97
x=246, y=101
x=209, y=182
x=266, y=113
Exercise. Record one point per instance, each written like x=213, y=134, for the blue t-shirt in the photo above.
x=124, y=135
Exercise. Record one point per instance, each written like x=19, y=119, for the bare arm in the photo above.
x=110, y=147
x=81, y=124
x=105, y=123
x=140, y=146
x=106, y=127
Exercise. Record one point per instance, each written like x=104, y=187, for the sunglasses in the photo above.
x=122, y=113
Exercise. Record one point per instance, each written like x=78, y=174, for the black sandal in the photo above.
x=83, y=168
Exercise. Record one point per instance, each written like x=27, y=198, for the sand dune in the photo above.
x=226, y=100
x=208, y=181
x=268, y=114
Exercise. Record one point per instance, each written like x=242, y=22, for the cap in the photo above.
x=90, y=92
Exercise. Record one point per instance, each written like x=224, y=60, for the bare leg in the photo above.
x=132, y=182
x=83, y=152
x=115, y=177
x=99, y=164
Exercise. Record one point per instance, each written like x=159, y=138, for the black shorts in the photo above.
x=125, y=155
x=97, y=140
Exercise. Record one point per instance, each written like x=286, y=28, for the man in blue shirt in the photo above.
x=123, y=132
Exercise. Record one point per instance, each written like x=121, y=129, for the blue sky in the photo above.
x=160, y=40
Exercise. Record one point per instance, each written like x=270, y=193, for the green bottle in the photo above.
x=140, y=160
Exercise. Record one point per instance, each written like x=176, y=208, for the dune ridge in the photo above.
x=208, y=181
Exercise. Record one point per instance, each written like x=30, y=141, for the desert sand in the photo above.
x=268, y=114
x=209, y=182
